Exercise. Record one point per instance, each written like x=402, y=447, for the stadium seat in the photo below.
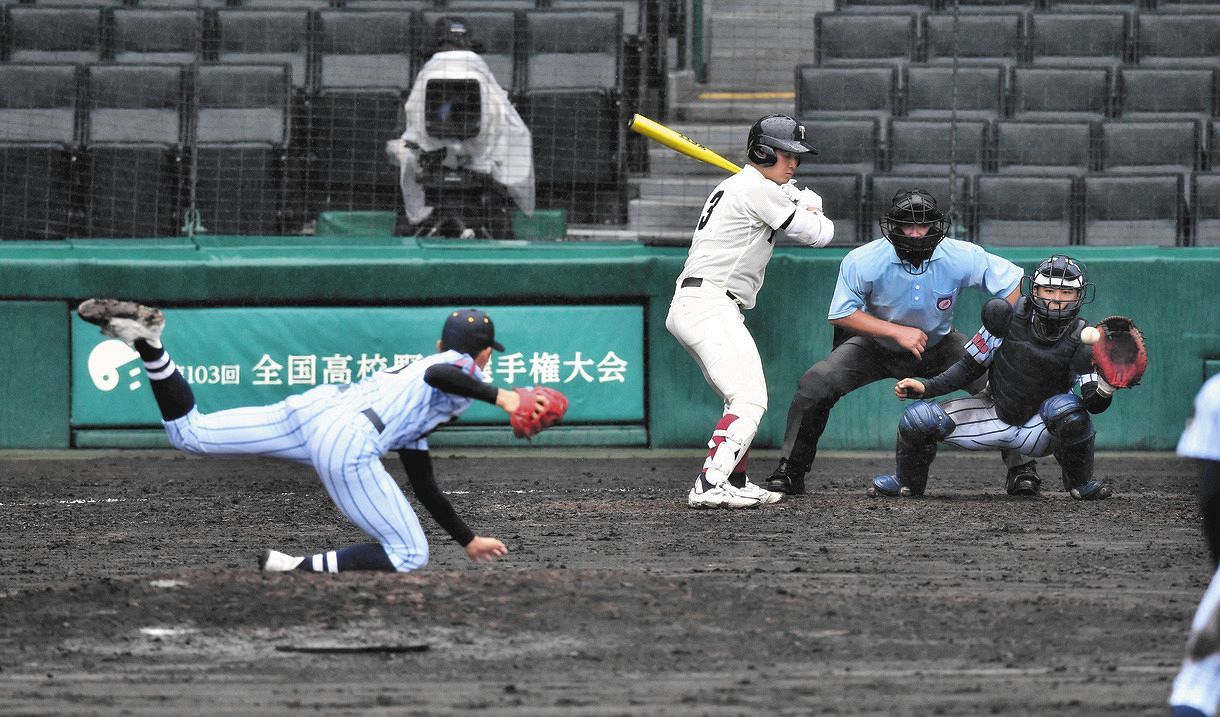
x=930, y=93
x=133, y=140
x=1024, y=210
x=865, y=39
x=1187, y=6
x=365, y=48
x=1124, y=6
x=388, y=4
x=181, y=4
x=242, y=126
x=954, y=204
x=568, y=49
x=885, y=6
x=924, y=146
x=1080, y=39
x=246, y=36
x=164, y=35
x=286, y=4
x=1061, y=93
x=463, y=5
x=639, y=49
x=1149, y=146
x=494, y=33
x=53, y=34
x=846, y=92
x=983, y=37
x=79, y=3
x=1154, y=92
x=983, y=6
x=1206, y=194
x=842, y=201
x=1213, y=146
x=584, y=177
x=1041, y=147
x=1133, y=210
x=845, y=146
x=364, y=72
x=38, y=133
x=1178, y=39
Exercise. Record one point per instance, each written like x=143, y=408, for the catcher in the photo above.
x=342, y=430
x=1034, y=353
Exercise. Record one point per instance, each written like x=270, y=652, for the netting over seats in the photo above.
x=161, y=118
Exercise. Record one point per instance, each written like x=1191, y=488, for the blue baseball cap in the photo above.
x=469, y=331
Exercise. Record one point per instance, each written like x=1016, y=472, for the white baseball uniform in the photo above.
x=342, y=431
x=1197, y=684
x=730, y=249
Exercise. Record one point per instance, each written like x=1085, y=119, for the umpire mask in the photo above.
x=914, y=225
x=1057, y=272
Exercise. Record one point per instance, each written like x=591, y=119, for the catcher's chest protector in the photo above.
x=1026, y=372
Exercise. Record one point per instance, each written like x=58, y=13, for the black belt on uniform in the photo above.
x=374, y=419
x=690, y=281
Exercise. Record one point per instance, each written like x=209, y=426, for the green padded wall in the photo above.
x=34, y=374
x=1169, y=292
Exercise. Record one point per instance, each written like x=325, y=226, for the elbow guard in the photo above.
x=997, y=315
x=810, y=228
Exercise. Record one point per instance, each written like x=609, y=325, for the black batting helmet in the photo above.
x=1057, y=272
x=914, y=207
x=776, y=132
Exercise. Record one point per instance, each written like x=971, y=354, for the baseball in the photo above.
x=1090, y=335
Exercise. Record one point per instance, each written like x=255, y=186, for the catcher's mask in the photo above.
x=914, y=208
x=1057, y=272
x=776, y=132
x=469, y=331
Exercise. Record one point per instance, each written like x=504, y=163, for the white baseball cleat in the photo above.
x=765, y=497
x=126, y=321
x=276, y=562
x=724, y=495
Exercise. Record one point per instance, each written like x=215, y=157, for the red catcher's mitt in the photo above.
x=540, y=409
x=1120, y=355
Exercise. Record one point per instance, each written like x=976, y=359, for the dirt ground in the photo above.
x=128, y=585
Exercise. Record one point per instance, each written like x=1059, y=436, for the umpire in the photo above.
x=895, y=298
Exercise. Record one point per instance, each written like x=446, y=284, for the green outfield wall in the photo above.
x=1169, y=292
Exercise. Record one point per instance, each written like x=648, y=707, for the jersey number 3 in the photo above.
x=711, y=204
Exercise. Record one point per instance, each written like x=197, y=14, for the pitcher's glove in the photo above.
x=540, y=409
x=1120, y=355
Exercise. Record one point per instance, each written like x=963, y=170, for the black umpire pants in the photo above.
x=859, y=361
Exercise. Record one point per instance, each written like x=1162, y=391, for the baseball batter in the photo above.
x=340, y=430
x=1033, y=356
x=895, y=297
x=1196, y=690
x=731, y=246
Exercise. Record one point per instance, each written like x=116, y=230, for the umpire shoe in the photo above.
x=888, y=486
x=1023, y=480
x=723, y=495
x=786, y=479
x=126, y=321
x=274, y=561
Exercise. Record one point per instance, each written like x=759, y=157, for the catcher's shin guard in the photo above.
x=1076, y=462
x=921, y=426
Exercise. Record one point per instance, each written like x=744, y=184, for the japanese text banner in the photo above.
x=254, y=356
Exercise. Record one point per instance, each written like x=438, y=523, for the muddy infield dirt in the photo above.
x=127, y=585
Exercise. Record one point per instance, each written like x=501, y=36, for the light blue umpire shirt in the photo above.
x=872, y=280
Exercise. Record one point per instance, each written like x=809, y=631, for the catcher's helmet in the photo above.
x=1058, y=272
x=776, y=132
x=914, y=207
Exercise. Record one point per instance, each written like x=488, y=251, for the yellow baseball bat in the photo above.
x=679, y=142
